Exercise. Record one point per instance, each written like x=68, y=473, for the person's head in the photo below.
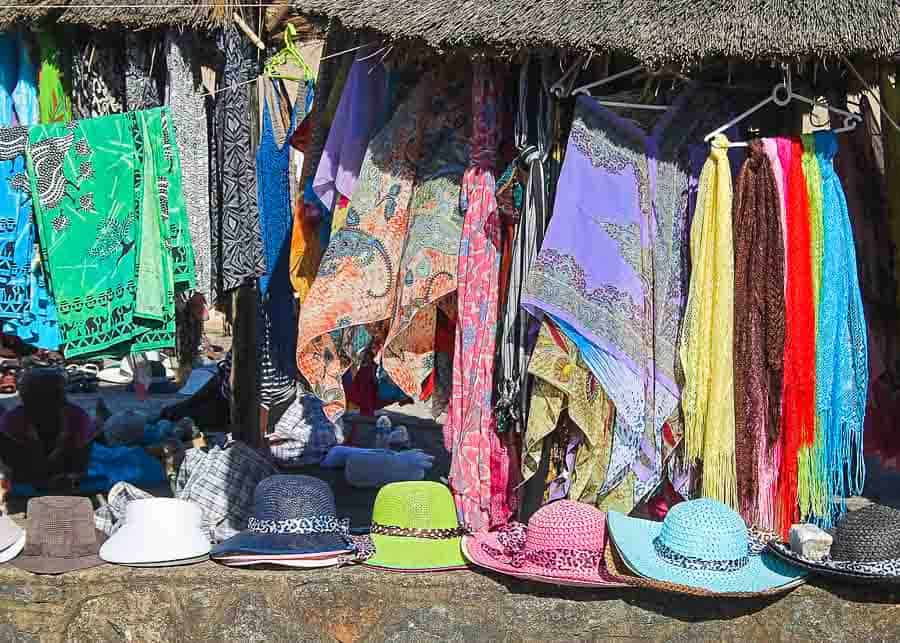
x=43, y=394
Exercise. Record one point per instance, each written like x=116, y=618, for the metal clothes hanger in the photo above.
x=782, y=94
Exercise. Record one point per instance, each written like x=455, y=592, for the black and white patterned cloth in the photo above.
x=183, y=92
x=237, y=251
x=142, y=70
x=303, y=434
x=98, y=75
x=881, y=569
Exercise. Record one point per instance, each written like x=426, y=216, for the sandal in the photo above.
x=8, y=383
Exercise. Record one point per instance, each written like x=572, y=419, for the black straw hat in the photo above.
x=866, y=547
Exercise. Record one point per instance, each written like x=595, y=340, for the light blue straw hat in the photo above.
x=700, y=544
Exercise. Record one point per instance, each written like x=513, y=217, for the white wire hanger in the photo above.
x=782, y=94
x=585, y=90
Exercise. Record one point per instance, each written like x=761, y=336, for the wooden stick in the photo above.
x=248, y=31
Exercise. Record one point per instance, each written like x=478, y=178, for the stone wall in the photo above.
x=210, y=603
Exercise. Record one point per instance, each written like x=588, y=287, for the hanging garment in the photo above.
x=115, y=239
x=512, y=385
x=758, y=321
x=708, y=396
x=98, y=75
x=479, y=468
x=306, y=247
x=564, y=383
x=188, y=110
x=276, y=329
x=360, y=114
x=237, y=253
x=889, y=91
x=842, y=369
x=26, y=309
x=143, y=63
x=768, y=461
x=610, y=266
x=55, y=104
x=354, y=299
x=798, y=405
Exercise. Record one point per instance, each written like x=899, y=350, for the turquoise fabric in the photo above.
x=842, y=370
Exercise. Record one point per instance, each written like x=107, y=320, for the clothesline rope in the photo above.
x=181, y=5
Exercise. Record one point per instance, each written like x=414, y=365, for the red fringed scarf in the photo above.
x=798, y=410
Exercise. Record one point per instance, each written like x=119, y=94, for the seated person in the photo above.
x=45, y=441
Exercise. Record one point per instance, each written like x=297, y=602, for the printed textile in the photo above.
x=188, y=107
x=842, y=369
x=237, y=252
x=55, y=104
x=98, y=75
x=142, y=86
x=479, y=466
x=26, y=309
x=758, y=321
x=611, y=266
x=392, y=257
x=110, y=211
x=564, y=383
x=708, y=396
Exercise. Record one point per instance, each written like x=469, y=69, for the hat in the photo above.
x=12, y=539
x=60, y=536
x=292, y=515
x=866, y=547
x=700, y=544
x=158, y=532
x=564, y=543
x=415, y=528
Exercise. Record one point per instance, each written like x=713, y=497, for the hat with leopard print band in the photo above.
x=293, y=515
x=865, y=549
x=700, y=544
x=564, y=543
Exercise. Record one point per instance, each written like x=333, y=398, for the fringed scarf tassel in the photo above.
x=708, y=399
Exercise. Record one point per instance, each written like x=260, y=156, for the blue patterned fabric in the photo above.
x=26, y=308
x=842, y=370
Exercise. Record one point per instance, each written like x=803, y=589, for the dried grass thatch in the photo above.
x=130, y=14
x=651, y=30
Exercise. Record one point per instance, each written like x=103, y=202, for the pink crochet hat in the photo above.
x=564, y=544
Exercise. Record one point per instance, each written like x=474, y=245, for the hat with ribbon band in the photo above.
x=702, y=545
x=865, y=549
x=292, y=515
x=415, y=528
x=564, y=544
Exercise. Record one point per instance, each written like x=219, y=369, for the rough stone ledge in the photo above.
x=210, y=603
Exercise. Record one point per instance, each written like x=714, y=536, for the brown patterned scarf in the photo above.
x=758, y=315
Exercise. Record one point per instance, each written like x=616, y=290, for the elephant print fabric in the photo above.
x=116, y=256
x=387, y=267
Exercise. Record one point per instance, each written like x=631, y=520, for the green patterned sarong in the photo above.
x=113, y=229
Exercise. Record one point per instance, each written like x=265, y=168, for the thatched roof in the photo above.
x=672, y=30
x=108, y=13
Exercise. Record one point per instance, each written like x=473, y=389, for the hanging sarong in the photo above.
x=109, y=206
x=55, y=104
x=360, y=279
x=564, y=383
x=480, y=463
x=142, y=66
x=98, y=74
x=237, y=253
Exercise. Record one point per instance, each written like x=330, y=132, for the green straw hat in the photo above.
x=414, y=528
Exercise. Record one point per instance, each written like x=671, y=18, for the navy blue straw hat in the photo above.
x=292, y=515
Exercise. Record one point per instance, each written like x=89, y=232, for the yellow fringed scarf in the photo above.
x=707, y=347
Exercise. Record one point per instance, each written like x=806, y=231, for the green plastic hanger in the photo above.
x=288, y=53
